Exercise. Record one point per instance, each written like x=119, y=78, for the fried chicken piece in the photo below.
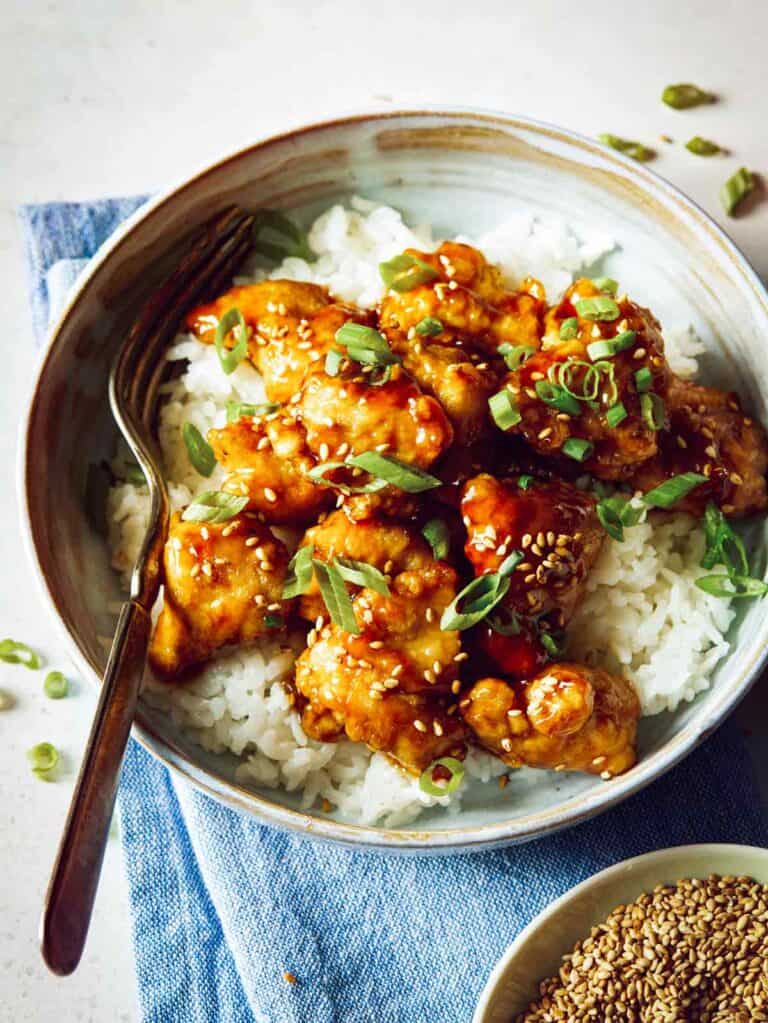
x=459, y=365
x=268, y=460
x=568, y=717
x=222, y=582
x=554, y=524
x=293, y=326
x=614, y=452
x=346, y=693
x=709, y=434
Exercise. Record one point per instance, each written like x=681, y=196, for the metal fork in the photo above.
x=134, y=383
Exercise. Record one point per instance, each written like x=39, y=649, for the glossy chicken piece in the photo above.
x=293, y=326
x=222, y=583
x=553, y=524
x=267, y=460
x=349, y=693
x=617, y=450
x=709, y=434
x=459, y=365
x=568, y=717
x=516, y=656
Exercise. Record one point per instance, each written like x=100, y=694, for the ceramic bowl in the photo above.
x=537, y=951
x=462, y=171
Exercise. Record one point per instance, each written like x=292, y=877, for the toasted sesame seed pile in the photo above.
x=697, y=950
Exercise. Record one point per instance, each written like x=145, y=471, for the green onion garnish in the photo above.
x=643, y=380
x=335, y=596
x=405, y=272
x=606, y=284
x=557, y=397
x=504, y=621
x=442, y=788
x=333, y=361
x=589, y=387
x=43, y=758
x=569, y=328
x=616, y=512
x=298, y=577
x=133, y=473
x=242, y=410
x=360, y=573
x=722, y=585
x=199, y=450
x=55, y=686
x=430, y=326
x=685, y=95
x=474, y=602
x=12, y=652
x=524, y=481
x=702, y=147
x=230, y=358
x=736, y=188
x=515, y=355
x=391, y=470
x=616, y=414
x=609, y=347
x=652, y=411
x=438, y=536
x=672, y=490
x=318, y=476
x=273, y=621
x=635, y=150
x=723, y=545
x=214, y=506
x=365, y=345
x=600, y=307
x=287, y=238
x=577, y=449
x=553, y=642
x=504, y=409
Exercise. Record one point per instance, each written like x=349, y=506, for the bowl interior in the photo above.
x=463, y=173
x=537, y=951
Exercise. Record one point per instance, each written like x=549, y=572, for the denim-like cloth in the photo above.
x=222, y=905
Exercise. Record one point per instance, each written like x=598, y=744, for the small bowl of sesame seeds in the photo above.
x=678, y=934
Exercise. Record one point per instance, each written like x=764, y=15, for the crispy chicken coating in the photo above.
x=346, y=692
x=616, y=450
x=709, y=434
x=222, y=582
x=568, y=717
x=554, y=524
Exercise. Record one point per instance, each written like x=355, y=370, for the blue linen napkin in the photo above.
x=221, y=905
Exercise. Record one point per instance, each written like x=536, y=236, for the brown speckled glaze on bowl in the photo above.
x=462, y=171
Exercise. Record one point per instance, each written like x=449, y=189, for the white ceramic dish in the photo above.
x=463, y=172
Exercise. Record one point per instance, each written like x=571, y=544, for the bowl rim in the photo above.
x=657, y=856
x=458, y=838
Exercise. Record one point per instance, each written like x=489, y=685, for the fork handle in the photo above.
x=72, y=888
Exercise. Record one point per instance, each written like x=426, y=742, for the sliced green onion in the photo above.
x=298, y=577
x=365, y=345
x=430, y=326
x=287, y=238
x=556, y=397
x=569, y=328
x=616, y=414
x=391, y=470
x=55, y=686
x=722, y=585
x=333, y=361
x=442, y=788
x=273, y=621
x=643, y=380
x=504, y=409
x=474, y=602
x=504, y=621
x=199, y=450
x=360, y=573
x=577, y=449
x=702, y=147
x=510, y=563
x=606, y=284
x=553, y=642
x=723, y=545
x=685, y=95
x=515, y=355
x=615, y=512
x=335, y=596
x=599, y=308
x=736, y=188
x=12, y=652
x=524, y=481
x=242, y=410
x=673, y=490
x=132, y=472
x=230, y=358
x=43, y=758
x=635, y=150
x=318, y=476
x=438, y=536
x=214, y=506
x=405, y=272
x=652, y=411
x=609, y=347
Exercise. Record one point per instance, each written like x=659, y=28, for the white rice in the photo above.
x=642, y=614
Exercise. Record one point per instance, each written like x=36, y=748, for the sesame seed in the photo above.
x=419, y=725
x=546, y=432
x=437, y=728
x=639, y=353
x=270, y=495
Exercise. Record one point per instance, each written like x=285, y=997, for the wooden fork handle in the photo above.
x=72, y=889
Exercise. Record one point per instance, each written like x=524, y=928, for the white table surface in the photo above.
x=107, y=98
